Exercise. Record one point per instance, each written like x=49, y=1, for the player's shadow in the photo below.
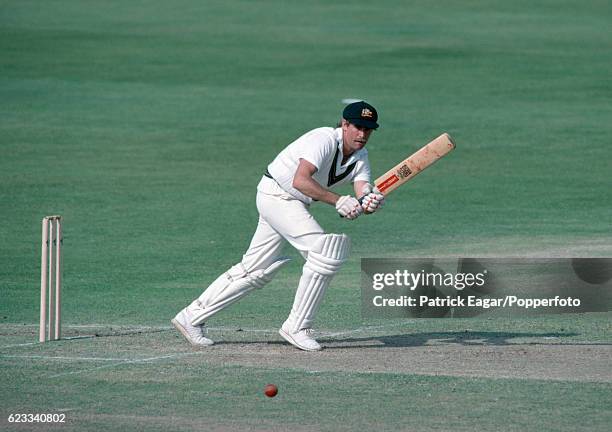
x=466, y=338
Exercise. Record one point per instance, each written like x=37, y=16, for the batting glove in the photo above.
x=372, y=200
x=349, y=207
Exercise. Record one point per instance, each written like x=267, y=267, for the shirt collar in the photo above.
x=338, y=132
x=339, y=141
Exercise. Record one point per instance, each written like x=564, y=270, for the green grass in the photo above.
x=170, y=392
x=147, y=125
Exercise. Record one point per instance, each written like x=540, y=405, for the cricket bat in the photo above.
x=414, y=164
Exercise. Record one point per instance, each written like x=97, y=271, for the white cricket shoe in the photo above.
x=194, y=334
x=302, y=339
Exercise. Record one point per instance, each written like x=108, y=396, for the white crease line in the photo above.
x=123, y=360
x=127, y=361
x=87, y=370
x=19, y=345
x=214, y=329
x=63, y=325
x=220, y=328
x=42, y=357
x=136, y=328
x=37, y=343
x=359, y=330
x=91, y=326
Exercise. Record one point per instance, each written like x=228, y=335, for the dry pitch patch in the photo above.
x=375, y=349
x=397, y=354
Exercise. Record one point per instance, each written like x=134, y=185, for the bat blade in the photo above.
x=414, y=164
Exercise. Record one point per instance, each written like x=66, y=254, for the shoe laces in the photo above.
x=309, y=331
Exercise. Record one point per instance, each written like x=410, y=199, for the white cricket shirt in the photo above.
x=321, y=147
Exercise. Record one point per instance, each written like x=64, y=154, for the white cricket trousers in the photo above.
x=281, y=218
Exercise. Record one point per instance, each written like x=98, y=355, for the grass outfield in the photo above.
x=147, y=126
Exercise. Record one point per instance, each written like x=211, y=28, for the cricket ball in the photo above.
x=270, y=390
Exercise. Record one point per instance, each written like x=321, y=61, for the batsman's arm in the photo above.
x=303, y=181
x=358, y=187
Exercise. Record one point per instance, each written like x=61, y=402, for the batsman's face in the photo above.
x=354, y=137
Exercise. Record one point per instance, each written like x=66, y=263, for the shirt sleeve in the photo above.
x=316, y=146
